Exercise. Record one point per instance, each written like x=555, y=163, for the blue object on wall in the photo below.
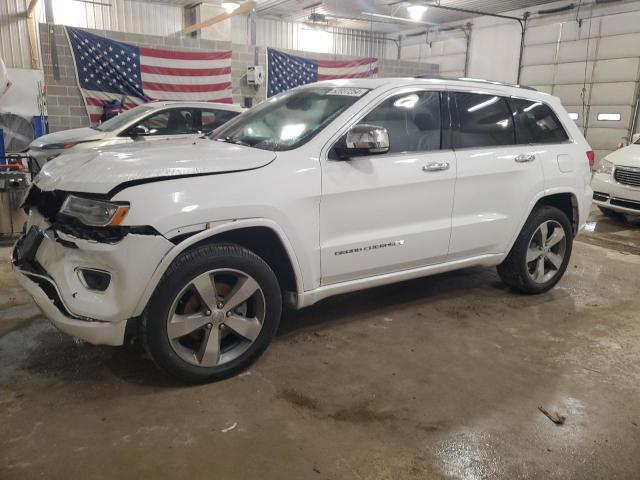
x=2, y=152
x=39, y=127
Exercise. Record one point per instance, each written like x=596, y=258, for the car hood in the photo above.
x=85, y=134
x=628, y=156
x=101, y=171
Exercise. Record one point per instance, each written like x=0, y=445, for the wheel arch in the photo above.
x=263, y=237
x=565, y=200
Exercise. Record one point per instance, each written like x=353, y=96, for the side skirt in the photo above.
x=305, y=299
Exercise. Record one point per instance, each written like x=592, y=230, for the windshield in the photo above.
x=125, y=117
x=289, y=120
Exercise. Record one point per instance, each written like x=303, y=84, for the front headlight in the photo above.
x=94, y=213
x=605, y=166
x=58, y=146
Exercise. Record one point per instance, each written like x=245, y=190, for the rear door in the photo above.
x=497, y=178
x=390, y=212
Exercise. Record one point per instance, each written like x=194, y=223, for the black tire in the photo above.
x=514, y=269
x=183, y=270
x=607, y=212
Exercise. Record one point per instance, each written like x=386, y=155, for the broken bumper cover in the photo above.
x=99, y=333
x=53, y=280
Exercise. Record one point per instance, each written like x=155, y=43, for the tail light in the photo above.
x=591, y=156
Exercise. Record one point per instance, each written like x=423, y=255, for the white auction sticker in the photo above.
x=348, y=91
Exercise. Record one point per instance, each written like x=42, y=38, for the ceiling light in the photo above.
x=416, y=11
x=229, y=6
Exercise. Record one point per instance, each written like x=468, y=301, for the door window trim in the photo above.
x=328, y=147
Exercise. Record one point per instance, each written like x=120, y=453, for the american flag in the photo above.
x=110, y=70
x=287, y=71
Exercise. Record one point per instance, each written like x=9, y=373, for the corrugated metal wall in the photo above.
x=447, y=49
x=297, y=36
x=122, y=16
x=594, y=69
x=14, y=39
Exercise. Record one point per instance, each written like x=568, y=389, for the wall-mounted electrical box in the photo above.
x=255, y=75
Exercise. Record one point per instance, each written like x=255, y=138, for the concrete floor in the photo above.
x=435, y=378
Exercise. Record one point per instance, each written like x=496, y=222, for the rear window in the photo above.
x=485, y=120
x=536, y=122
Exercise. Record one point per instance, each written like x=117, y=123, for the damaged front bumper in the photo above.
x=54, y=281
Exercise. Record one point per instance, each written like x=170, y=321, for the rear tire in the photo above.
x=213, y=313
x=540, y=254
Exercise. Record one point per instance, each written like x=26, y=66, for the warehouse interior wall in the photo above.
x=64, y=101
x=589, y=57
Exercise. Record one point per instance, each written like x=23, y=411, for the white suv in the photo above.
x=325, y=189
x=144, y=123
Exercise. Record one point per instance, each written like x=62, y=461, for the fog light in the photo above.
x=94, y=279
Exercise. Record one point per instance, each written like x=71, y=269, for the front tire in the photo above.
x=214, y=312
x=540, y=254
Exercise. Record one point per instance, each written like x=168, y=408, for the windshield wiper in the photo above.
x=235, y=141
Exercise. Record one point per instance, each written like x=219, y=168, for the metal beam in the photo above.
x=32, y=5
x=243, y=8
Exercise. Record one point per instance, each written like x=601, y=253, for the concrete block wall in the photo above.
x=65, y=105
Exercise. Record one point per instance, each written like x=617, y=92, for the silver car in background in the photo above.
x=147, y=122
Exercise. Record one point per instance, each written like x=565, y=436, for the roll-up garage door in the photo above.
x=600, y=61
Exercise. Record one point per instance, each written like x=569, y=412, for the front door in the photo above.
x=170, y=123
x=389, y=212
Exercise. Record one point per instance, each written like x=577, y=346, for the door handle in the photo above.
x=435, y=166
x=529, y=157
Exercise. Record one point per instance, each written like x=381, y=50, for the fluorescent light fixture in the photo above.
x=609, y=117
x=486, y=103
x=573, y=115
x=229, y=6
x=399, y=19
x=417, y=11
x=407, y=102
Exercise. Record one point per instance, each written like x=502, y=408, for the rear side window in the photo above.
x=484, y=121
x=411, y=119
x=536, y=122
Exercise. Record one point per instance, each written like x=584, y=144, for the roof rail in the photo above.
x=477, y=80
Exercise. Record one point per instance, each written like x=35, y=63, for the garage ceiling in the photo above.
x=349, y=13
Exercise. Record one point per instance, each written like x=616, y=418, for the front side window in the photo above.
x=536, y=122
x=124, y=118
x=289, y=120
x=174, y=121
x=485, y=121
x=212, y=119
x=412, y=121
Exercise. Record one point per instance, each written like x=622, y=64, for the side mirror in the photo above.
x=363, y=140
x=138, y=131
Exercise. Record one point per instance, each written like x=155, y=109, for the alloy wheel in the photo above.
x=216, y=317
x=546, y=251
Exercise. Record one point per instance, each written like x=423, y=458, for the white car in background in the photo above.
x=325, y=189
x=150, y=121
x=616, y=181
